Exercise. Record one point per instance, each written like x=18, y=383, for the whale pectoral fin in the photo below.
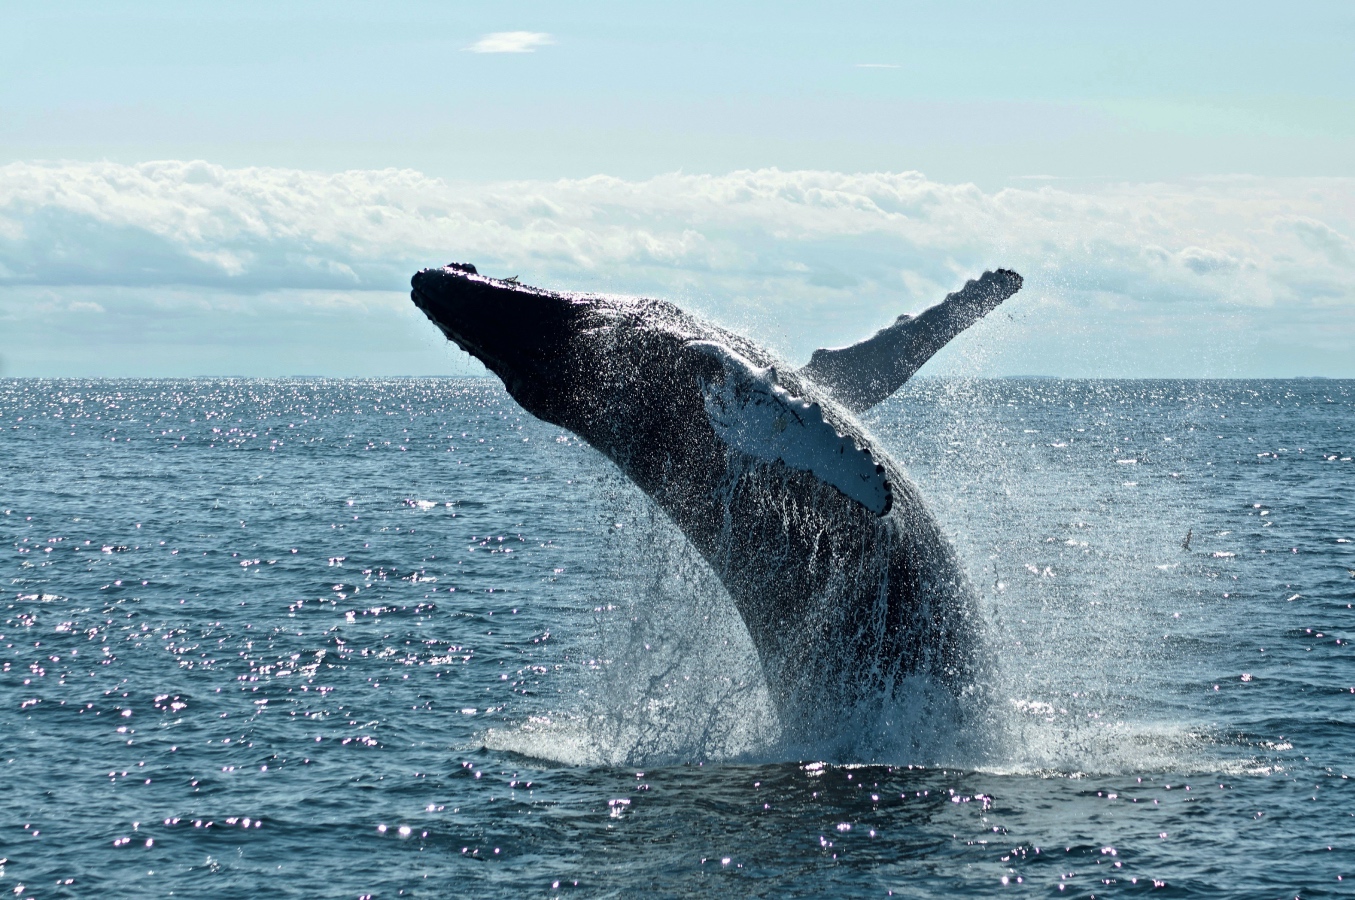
x=866, y=373
x=754, y=415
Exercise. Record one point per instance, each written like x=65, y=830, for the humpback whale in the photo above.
x=839, y=570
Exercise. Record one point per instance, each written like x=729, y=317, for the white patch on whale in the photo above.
x=751, y=413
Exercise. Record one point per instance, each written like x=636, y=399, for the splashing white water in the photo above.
x=667, y=672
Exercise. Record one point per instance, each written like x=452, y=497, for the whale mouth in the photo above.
x=454, y=299
x=520, y=333
x=436, y=292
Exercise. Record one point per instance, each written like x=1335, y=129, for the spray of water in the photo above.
x=665, y=670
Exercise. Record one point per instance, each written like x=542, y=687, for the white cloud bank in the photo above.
x=801, y=258
x=511, y=42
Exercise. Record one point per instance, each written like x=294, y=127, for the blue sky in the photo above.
x=1177, y=179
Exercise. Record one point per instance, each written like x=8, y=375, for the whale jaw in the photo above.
x=521, y=334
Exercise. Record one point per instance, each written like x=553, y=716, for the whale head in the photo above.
x=521, y=334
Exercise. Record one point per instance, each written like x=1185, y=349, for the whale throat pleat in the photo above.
x=757, y=417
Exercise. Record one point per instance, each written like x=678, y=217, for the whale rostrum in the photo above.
x=840, y=572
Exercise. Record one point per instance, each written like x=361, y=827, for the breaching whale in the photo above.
x=840, y=572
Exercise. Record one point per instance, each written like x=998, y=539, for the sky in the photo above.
x=244, y=189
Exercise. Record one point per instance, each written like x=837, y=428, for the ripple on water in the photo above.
x=245, y=623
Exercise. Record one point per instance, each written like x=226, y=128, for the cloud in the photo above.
x=799, y=258
x=1202, y=261
x=511, y=42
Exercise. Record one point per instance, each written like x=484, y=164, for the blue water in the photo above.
x=396, y=638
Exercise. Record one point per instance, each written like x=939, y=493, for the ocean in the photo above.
x=396, y=638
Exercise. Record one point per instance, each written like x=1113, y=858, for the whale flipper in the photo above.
x=866, y=373
x=754, y=415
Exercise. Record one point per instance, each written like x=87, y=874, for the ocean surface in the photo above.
x=316, y=638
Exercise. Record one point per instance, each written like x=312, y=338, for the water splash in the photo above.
x=669, y=673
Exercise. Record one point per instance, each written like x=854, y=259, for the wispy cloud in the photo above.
x=822, y=256
x=511, y=42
